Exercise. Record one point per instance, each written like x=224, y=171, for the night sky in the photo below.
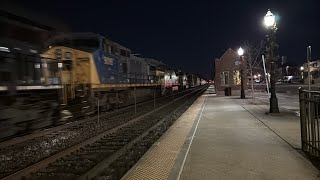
x=190, y=34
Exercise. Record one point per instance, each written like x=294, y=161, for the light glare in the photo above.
x=4, y=49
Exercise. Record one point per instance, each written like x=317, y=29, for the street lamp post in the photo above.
x=240, y=53
x=270, y=22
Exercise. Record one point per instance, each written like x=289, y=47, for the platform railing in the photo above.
x=309, y=121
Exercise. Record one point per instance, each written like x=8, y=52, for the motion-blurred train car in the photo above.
x=29, y=89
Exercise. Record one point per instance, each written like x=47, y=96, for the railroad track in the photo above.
x=15, y=139
x=113, y=133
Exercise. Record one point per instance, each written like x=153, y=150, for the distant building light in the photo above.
x=4, y=49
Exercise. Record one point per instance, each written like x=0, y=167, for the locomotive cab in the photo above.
x=74, y=73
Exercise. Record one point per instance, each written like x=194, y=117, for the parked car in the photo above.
x=295, y=79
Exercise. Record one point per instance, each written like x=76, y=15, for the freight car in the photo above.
x=29, y=89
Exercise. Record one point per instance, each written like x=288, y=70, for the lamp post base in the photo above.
x=242, y=95
x=274, y=108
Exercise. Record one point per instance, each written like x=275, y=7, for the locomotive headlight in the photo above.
x=37, y=66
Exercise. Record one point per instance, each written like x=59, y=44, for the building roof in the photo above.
x=226, y=52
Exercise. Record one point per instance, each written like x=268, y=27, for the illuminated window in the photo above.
x=236, y=77
x=224, y=78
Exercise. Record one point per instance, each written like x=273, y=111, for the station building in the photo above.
x=227, y=73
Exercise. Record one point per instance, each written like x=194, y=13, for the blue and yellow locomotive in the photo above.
x=95, y=68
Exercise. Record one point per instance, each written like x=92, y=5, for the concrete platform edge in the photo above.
x=155, y=145
x=174, y=174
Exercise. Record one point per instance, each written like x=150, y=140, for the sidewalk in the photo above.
x=230, y=143
x=286, y=124
x=286, y=101
x=229, y=139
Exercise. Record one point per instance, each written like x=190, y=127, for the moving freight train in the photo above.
x=73, y=76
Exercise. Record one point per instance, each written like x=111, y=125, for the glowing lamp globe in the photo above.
x=269, y=19
x=301, y=68
x=240, y=51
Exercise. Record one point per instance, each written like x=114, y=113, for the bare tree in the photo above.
x=253, y=60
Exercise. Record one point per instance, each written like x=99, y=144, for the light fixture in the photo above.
x=269, y=19
x=240, y=51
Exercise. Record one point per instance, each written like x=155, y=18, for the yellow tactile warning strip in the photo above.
x=158, y=161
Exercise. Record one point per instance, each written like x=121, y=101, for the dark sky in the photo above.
x=190, y=34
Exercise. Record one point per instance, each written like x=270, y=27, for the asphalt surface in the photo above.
x=288, y=100
x=287, y=94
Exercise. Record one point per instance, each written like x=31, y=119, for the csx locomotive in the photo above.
x=73, y=76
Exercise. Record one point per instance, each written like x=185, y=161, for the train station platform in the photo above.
x=225, y=138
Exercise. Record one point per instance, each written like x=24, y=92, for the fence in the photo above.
x=309, y=119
